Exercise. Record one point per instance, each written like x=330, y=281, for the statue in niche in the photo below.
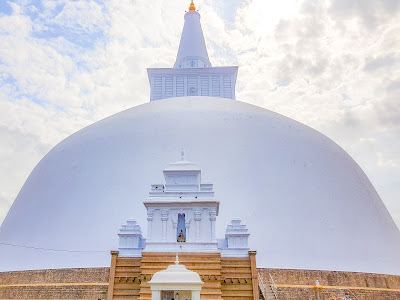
x=181, y=237
x=181, y=228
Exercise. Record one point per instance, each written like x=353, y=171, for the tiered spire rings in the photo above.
x=192, y=7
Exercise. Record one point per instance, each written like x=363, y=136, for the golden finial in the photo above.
x=192, y=7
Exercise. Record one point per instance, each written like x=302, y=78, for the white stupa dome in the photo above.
x=306, y=202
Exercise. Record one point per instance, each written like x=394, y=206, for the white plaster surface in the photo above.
x=182, y=194
x=176, y=274
x=192, y=74
x=131, y=242
x=236, y=239
x=176, y=278
x=305, y=201
x=192, y=47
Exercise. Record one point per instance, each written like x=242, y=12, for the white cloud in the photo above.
x=81, y=15
x=385, y=162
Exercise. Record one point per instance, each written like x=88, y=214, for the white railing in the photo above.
x=273, y=287
x=262, y=286
x=352, y=297
x=355, y=297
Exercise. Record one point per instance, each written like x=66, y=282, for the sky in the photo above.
x=333, y=65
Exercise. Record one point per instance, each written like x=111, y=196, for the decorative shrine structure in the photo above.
x=192, y=74
x=182, y=213
x=181, y=217
x=176, y=282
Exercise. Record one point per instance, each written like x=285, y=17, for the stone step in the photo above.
x=267, y=293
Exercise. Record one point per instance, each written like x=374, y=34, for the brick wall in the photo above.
x=309, y=294
x=87, y=283
x=92, y=283
x=298, y=284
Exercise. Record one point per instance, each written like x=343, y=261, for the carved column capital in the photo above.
x=150, y=215
x=174, y=222
x=213, y=215
x=197, y=215
x=164, y=215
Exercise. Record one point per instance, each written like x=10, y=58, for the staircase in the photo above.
x=344, y=295
x=268, y=289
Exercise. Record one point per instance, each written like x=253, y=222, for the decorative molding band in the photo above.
x=55, y=284
x=333, y=287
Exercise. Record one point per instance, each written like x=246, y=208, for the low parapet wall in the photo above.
x=92, y=283
x=85, y=283
x=300, y=284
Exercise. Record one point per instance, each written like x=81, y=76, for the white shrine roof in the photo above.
x=176, y=274
x=183, y=165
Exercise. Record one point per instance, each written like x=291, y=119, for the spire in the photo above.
x=192, y=51
x=192, y=7
x=192, y=74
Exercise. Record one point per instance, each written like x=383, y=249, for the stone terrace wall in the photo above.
x=298, y=284
x=87, y=283
x=92, y=283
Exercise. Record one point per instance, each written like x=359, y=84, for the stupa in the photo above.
x=306, y=202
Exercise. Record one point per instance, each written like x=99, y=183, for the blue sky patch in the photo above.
x=5, y=8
